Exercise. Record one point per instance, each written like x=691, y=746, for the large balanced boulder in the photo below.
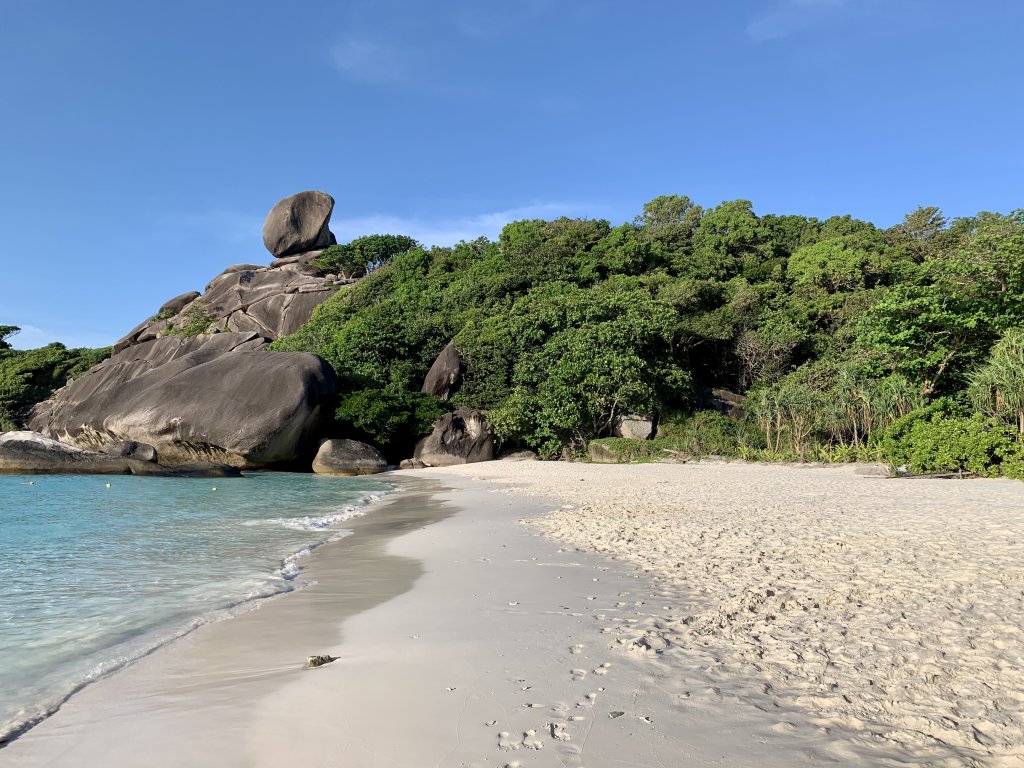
x=299, y=223
x=221, y=398
x=445, y=374
x=30, y=453
x=348, y=458
x=461, y=437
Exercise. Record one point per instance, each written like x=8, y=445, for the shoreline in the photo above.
x=465, y=637
x=291, y=572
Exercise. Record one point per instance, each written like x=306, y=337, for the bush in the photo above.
x=707, y=433
x=362, y=255
x=30, y=376
x=197, y=321
x=391, y=419
x=938, y=439
x=627, y=450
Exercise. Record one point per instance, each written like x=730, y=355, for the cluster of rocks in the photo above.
x=196, y=381
x=32, y=453
x=271, y=301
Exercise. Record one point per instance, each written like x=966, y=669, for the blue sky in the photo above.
x=142, y=143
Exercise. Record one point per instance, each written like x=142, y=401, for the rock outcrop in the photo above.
x=445, y=374
x=271, y=301
x=299, y=223
x=348, y=458
x=195, y=382
x=635, y=427
x=461, y=437
x=131, y=449
x=32, y=453
x=219, y=398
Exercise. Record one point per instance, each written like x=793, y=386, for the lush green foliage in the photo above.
x=942, y=438
x=362, y=255
x=30, y=376
x=835, y=329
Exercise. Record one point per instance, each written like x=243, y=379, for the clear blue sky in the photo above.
x=143, y=142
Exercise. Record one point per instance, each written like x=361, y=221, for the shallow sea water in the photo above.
x=93, y=576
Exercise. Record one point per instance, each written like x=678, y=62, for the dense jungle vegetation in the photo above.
x=848, y=341
x=29, y=376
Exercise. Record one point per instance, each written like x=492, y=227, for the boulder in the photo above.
x=131, y=449
x=178, y=303
x=635, y=427
x=32, y=453
x=299, y=223
x=461, y=437
x=219, y=398
x=348, y=458
x=411, y=464
x=445, y=374
x=523, y=455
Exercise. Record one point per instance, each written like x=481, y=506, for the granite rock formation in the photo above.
x=32, y=453
x=348, y=458
x=445, y=374
x=219, y=398
x=195, y=381
x=461, y=437
x=298, y=224
x=635, y=427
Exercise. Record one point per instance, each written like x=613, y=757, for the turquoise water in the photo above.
x=92, y=576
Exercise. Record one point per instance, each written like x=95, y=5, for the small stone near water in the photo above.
x=412, y=464
x=318, y=661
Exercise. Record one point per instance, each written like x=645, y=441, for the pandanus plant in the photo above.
x=997, y=388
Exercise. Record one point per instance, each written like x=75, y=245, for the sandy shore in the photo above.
x=885, y=615
x=661, y=615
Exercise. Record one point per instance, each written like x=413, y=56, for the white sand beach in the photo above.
x=660, y=615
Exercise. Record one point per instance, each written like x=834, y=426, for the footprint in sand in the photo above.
x=506, y=742
x=578, y=648
x=558, y=732
x=578, y=674
x=530, y=740
x=603, y=669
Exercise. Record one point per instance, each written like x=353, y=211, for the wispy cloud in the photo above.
x=787, y=17
x=369, y=61
x=448, y=231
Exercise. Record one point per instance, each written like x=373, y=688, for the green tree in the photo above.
x=6, y=331
x=363, y=255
